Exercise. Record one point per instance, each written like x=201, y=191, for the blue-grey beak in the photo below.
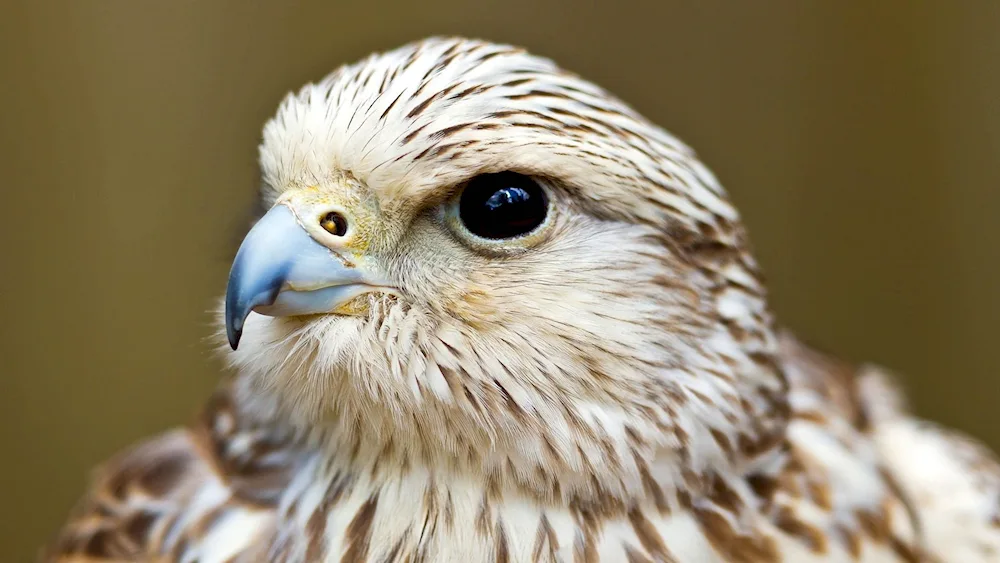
x=280, y=270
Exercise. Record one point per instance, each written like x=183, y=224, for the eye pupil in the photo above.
x=503, y=205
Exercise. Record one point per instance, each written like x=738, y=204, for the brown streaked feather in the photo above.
x=954, y=480
x=142, y=505
x=826, y=395
x=617, y=391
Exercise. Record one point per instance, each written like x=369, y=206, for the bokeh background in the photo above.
x=860, y=140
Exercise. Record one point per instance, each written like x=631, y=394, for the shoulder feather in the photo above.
x=953, y=479
x=205, y=493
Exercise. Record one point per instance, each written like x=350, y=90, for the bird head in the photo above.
x=475, y=260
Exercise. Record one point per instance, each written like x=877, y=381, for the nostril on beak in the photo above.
x=334, y=223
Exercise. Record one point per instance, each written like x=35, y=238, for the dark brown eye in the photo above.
x=502, y=206
x=334, y=223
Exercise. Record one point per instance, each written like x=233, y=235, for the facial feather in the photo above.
x=635, y=329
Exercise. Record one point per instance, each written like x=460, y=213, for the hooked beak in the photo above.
x=280, y=270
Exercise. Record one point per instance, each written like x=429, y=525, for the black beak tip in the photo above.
x=234, y=335
x=243, y=295
x=234, y=322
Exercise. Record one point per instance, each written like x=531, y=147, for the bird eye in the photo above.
x=334, y=223
x=501, y=206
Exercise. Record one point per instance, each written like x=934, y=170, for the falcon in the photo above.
x=494, y=314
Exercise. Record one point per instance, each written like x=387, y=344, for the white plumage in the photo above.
x=605, y=385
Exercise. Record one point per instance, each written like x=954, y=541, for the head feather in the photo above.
x=638, y=334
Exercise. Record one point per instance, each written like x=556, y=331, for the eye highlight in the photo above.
x=502, y=206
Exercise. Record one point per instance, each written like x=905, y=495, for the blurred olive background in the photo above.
x=860, y=140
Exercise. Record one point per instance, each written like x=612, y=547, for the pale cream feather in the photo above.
x=613, y=389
